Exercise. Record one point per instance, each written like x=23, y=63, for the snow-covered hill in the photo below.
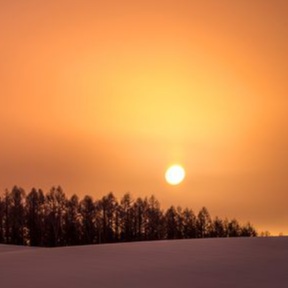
x=229, y=262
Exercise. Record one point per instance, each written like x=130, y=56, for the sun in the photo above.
x=175, y=174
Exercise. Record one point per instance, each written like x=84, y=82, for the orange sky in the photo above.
x=101, y=97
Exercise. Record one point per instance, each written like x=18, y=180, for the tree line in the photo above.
x=51, y=219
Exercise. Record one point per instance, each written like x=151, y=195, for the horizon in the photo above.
x=105, y=97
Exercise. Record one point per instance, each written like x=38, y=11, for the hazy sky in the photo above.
x=102, y=96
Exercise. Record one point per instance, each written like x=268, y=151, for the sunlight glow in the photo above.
x=175, y=174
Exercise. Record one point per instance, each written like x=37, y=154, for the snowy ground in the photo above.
x=246, y=262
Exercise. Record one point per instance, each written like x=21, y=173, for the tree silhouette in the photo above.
x=55, y=211
x=73, y=223
x=127, y=217
x=107, y=214
x=171, y=223
x=248, y=230
x=204, y=223
x=140, y=208
x=154, y=220
x=88, y=211
x=6, y=217
x=16, y=215
x=53, y=220
x=189, y=224
x=2, y=219
x=233, y=228
x=35, y=217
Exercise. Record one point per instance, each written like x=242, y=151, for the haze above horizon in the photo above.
x=100, y=97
